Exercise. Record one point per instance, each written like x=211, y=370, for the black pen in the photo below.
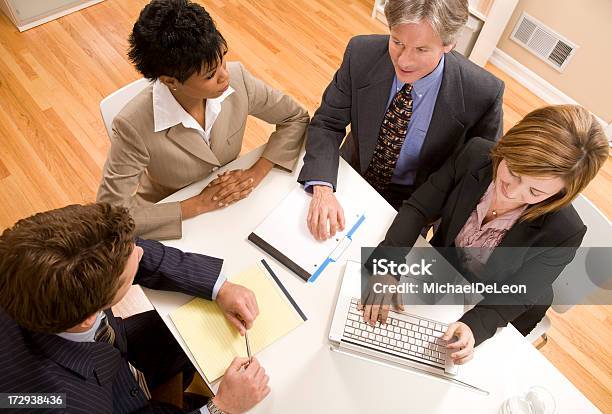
x=248, y=344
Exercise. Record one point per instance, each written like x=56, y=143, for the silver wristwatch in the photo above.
x=213, y=409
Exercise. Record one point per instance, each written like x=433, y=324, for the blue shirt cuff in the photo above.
x=308, y=185
x=204, y=410
x=220, y=281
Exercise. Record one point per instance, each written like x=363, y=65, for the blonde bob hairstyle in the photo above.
x=563, y=141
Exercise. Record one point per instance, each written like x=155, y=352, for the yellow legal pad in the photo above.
x=211, y=339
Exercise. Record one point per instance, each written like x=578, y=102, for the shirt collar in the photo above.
x=423, y=85
x=213, y=108
x=167, y=112
x=88, y=335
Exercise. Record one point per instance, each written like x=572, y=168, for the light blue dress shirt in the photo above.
x=424, y=96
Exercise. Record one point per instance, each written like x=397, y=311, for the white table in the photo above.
x=305, y=375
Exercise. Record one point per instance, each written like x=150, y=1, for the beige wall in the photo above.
x=588, y=23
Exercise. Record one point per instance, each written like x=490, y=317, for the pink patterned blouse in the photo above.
x=479, y=239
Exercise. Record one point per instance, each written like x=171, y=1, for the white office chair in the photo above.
x=114, y=103
x=572, y=284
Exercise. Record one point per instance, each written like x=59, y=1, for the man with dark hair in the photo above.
x=61, y=272
x=190, y=121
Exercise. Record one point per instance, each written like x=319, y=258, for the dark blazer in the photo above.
x=541, y=248
x=95, y=376
x=469, y=104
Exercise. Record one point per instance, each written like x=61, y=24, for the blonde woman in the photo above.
x=516, y=194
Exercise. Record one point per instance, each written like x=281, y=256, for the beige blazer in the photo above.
x=144, y=166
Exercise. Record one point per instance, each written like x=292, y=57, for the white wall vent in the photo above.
x=543, y=42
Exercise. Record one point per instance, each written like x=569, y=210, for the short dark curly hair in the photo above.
x=175, y=38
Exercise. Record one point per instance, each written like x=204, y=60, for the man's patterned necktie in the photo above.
x=106, y=333
x=390, y=139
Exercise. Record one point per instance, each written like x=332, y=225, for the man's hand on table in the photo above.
x=243, y=385
x=324, y=208
x=238, y=304
x=245, y=382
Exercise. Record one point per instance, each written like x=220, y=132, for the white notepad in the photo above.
x=285, y=236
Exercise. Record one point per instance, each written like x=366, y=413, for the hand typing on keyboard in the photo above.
x=463, y=348
x=408, y=336
x=376, y=306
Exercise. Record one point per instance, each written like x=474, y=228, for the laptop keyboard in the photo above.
x=410, y=336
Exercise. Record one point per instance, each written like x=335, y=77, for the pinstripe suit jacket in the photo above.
x=94, y=375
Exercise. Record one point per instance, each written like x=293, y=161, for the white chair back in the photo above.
x=114, y=103
x=573, y=284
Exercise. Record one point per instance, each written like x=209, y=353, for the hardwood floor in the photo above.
x=53, y=143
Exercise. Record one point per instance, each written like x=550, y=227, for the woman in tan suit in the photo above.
x=190, y=121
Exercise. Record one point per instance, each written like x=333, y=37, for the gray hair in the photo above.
x=446, y=17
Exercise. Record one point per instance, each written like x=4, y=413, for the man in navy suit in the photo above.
x=61, y=272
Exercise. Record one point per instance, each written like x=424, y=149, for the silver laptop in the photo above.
x=405, y=340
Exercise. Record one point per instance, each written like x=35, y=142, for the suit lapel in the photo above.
x=444, y=127
x=371, y=105
x=82, y=358
x=192, y=142
x=472, y=189
x=512, y=249
x=226, y=126
x=522, y=233
x=218, y=132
